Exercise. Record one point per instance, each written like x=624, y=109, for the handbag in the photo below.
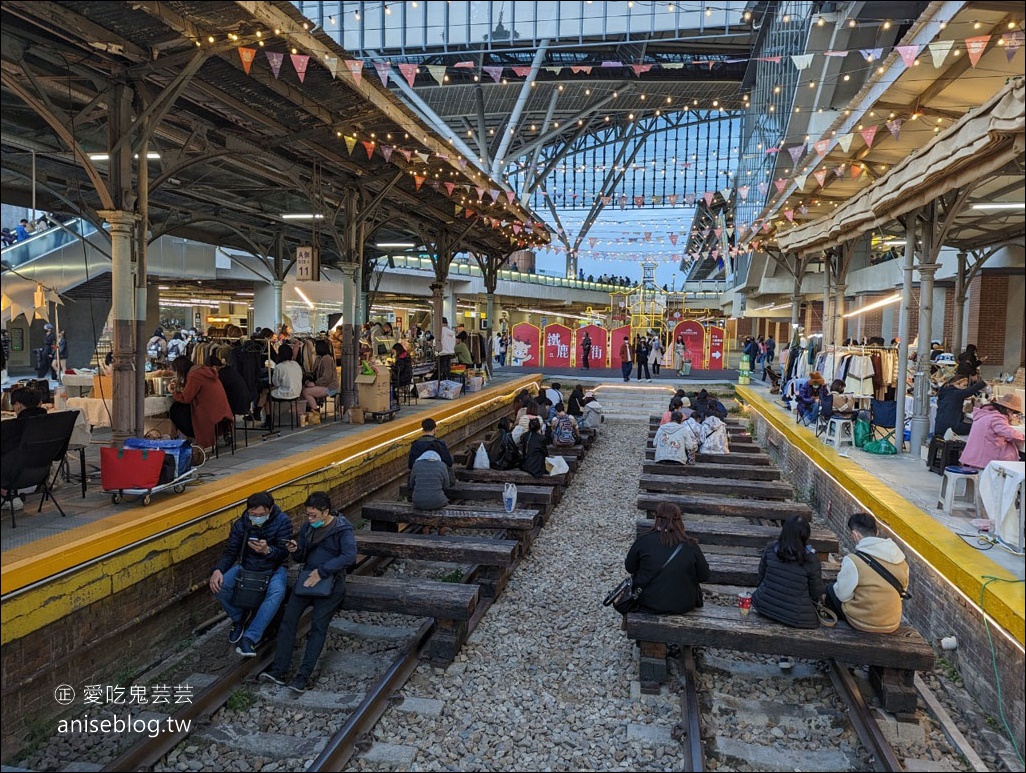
x=250, y=588
x=626, y=597
x=324, y=587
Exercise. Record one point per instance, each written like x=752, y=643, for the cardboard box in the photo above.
x=374, y=392
x=103, y=386
x=355, y=415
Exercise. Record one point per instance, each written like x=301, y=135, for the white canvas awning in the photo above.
x=980, y=144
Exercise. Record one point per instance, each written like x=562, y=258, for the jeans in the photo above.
x=626, y=368
x=264, y=614
x=320, y=616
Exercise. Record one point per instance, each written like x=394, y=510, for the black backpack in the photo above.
x=503, y=452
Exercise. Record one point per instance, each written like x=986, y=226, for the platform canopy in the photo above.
x=255, y=127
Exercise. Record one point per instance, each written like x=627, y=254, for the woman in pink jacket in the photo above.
x=992, y=437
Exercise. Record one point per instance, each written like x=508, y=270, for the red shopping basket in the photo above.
x=127, y=468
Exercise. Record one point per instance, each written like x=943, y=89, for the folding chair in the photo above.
x=883, y=420
x=44, y=441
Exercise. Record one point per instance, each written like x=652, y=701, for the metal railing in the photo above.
x=462, y=268
x=41, y=243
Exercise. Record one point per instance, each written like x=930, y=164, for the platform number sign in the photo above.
x=308, y=264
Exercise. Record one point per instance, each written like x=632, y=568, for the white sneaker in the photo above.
x=649, y=380
x=17, y=503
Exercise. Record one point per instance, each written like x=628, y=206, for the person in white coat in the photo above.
x=655, y=354
x=676, y=441
x=714, y=436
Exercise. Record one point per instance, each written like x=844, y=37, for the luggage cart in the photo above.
x=393, y=407
x=176, y=484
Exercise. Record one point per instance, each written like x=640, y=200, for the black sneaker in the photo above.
x=246, y=649
x=235, y=632
x=257, y=414
x=270, y=676
x=298, y=684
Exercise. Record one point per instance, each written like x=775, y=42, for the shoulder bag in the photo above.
x=626, y=597
x=324, y=587
x=250, y=586
x=881, y=570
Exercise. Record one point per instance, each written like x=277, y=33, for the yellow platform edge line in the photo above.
x=957, y=562
x=28, y=564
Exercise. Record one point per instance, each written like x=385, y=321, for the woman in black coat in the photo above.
x=534, y=449
x=950, y=402
x=790, y=578
x=575, y=405
x=675, y=589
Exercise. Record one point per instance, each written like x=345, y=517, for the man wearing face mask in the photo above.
x=256, y=543
x=326, y=547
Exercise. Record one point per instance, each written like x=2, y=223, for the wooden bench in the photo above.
x=522, y=524
x=495, y=556
x=451, y=604
x=713, y=470
x=765, y=489
x=744, y=535
x=521, y=478
x=732, y=444
x=776, y=511
x=759, y=457
x=573, y=459
x=542, y=497
x=893, y=658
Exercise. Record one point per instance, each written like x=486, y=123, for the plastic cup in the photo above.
x=744, y=603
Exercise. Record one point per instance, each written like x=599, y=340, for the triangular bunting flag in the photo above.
x=845, y=141
x=839, y=171
x=407, y=154
x=820, y=175
x=418, y=180
x=895, y=128
x=672, y=65
x=689, y=199
x=449, y=187
x=383, y=70
x=789, y=214
x=975, y=47
x=521, y=72
x=300, y=63
x=639, y=201
x=1012, y=42
x=494, y=194
x=673, y=198
x=480, y=193
x=554, y=70
x=725, y=193
x=331, y=62
x=871, y=54
x=939, y=51
x=821, y=147
x=386, y=151
x=640, y=68
x=908, y=54
x=578, y=69
x=510, y=196
x=762, y=187
x=708, y=196
x=781, y=184
x=423, y=156
x=275, y=60
x=673, y=239
x=802, y=61
x=368, y=145
x=774, y=59
x=355, y=67
x=648, y=236
x=247, y=55
x=800, y=181
x=607, y=200
x=767, y=226
x=742, y=192
x=437, y=72
x=868, y=134
x=409, y=71
x=803, y=210
x=856, y=170
x=833, y=52
x=466, y=65
x=612, y=64
x=495, y=72
x=592, y=241
x=350, y=143
x=796, y=152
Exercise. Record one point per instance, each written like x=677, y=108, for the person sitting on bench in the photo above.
x=431, y=481
x=871, y=582
x=676, y=442
x=713, y=439
x=534, y=449
x=670, y=583
x=428, y=442
x=790, y=577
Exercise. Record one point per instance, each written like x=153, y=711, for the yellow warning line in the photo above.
x=958, y=563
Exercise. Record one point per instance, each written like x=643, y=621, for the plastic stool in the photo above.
x=839, y=432
x=949, y=495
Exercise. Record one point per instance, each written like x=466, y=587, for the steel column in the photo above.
x=955, y=344
x=920, y=426
x=122, y=420
x=904, y=318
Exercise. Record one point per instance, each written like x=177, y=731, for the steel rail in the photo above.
x=691, y=726
x=872, y=737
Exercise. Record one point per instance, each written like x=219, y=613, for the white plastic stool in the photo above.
x=949, y=495
x=839, y=432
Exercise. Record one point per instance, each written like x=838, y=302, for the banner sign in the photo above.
x=524, y=349
x=557, y=346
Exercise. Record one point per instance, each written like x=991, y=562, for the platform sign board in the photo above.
x=717, y=349
x=525, y=348
x=308, y=264
x=616, y=336
x=557, y=346
x=599, y=346
x=695, y=341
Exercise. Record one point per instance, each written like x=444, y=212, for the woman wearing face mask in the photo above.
x=326, y=548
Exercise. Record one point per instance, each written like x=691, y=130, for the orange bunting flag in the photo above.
x=820, y=176
x=418, y=180
x=355, y=67
x=369, y=147
x=822, y=147
x=247, y=55
x=975, y=47
x=856, y=170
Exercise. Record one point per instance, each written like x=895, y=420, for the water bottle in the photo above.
x=509, y=497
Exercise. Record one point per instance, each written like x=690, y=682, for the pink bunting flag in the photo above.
x=767, y=226
x=350, y=143
x=369, y=147
x=1012, y=42
x=578, y=69
x=908, y=54
x=781, y=184
x=822, y=147
x=742, y=192
x=480, y=193
x=796, y=152
x=835, y=52
x=418, y=180
x=466, y=65
x=355, y=67
x=522, y=72
x=592, y=241
x=407, y=154
x=409, y=71
x=975, y=47
x=689, y=199
x=383, y=69
x=247, y=55
x=640, y=68
x=300, y=63
x=275, y=60
x=648, y=236
x=868, y=134
x=673, y=239
x=494, y=71
x=517, y=228
x=895, y=128
x=639, y=201
x=820, y=176
x=386, y=151
x=673, y=198
x=449, y=187
x=708, y=196
x=773, y=59
x=510, y=196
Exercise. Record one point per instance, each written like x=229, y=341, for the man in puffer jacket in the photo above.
x=675, y=441
x=862, y=595
x=430, y=482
